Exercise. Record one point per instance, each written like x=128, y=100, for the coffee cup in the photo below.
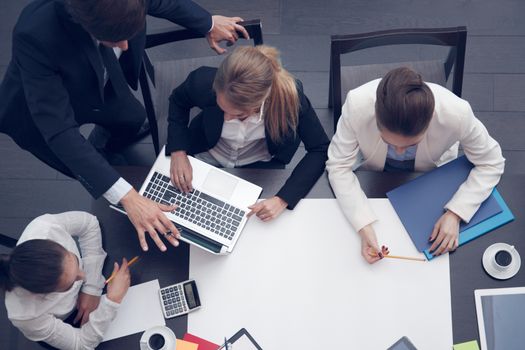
x=501, y=261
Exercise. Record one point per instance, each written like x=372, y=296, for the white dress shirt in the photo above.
x=242, y=142
x=40, y=316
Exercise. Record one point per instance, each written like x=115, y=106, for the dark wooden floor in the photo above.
x=494, y=81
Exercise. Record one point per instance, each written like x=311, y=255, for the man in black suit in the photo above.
x=72, y=63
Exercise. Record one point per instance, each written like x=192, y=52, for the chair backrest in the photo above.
x=7, y=241
x=345, y=78
x=167, y=75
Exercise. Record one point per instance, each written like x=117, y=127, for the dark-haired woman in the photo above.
x=46, y=278
x=400, y=123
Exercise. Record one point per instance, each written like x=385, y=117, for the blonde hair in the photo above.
x=246, y=76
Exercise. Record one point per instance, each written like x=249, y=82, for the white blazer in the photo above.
x=358, y=143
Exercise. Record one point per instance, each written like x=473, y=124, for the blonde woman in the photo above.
x=253, y=111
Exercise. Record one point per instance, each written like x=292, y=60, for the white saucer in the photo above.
x=489, y=261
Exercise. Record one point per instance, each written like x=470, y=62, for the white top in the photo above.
x=358, y=142
x=40, y=316
x=242, y=142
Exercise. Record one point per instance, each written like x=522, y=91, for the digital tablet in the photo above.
x=501, y=316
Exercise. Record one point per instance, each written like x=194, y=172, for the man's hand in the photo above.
x=181, y=171
x=148, y=216
x=445, y=234
x=268, y=209
x=225, y=28
x=369, y=247
x=119, y=286
x=85, y=305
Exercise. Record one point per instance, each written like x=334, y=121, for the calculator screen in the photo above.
x=190, y=298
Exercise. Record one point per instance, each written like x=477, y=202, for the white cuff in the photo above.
x=117, y=191
x=212, y=24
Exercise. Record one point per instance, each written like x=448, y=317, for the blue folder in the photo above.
x=420, y=202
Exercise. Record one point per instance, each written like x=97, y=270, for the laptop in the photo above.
x=213, y=215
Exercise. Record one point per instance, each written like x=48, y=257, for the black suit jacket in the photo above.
x=54, y=82
x=205, y=129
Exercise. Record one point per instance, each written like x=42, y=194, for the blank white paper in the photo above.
x=140, y=310
x=299, y=282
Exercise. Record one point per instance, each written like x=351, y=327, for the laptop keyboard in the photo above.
x=196, y=207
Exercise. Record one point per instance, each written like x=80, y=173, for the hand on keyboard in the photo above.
x=181, y=172
x=268, y=209
x=148, y=216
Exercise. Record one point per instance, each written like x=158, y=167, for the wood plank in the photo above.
x=506, y=128
x=515, y=162
x=22, y=198
x=355, y=16
x=20, y=164
x=13, y=227
x=495, y=54
x=315, y=87
x=509, y=92
x=478, y=90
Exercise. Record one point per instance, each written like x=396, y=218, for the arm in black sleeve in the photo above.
x=51, y=111
x=195, y=91
x=311, y=167
x=183, y=12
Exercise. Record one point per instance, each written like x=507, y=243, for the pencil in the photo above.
x=401, y=257
x=131, y=262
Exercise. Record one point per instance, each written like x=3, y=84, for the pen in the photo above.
x=225, y=346
x=131, y=262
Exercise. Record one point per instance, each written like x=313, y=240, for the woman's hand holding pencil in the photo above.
x=385, y=254
x=120, y=280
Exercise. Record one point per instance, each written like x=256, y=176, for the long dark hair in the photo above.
x=35, y=265
x=404, y=103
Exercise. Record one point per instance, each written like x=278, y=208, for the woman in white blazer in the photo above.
x=400, y=123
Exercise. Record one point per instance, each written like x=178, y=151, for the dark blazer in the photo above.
x=54, y=82
x=205, y=129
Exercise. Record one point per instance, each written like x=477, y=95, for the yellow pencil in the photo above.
x=131, y=262
x=401, y=257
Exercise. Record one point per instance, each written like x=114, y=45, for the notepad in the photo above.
x=203, y=344
x=139, y=310
x=470, y=345
x=420, y=202
x=186, y=345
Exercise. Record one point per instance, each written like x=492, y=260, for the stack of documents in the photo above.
x=420, y=202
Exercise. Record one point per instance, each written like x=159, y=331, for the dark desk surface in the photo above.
x=467, y=273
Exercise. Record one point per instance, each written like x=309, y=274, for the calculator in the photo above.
x=179, y=299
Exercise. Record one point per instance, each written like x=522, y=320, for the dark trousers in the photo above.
x=121, y=115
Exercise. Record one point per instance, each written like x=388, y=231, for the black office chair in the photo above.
x=346, y=78
x=7, y=241
x=163, y=77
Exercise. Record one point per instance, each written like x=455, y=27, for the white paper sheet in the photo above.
x=140, y=310
x=300, y=282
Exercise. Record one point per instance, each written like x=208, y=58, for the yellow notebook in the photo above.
x=186, y=345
